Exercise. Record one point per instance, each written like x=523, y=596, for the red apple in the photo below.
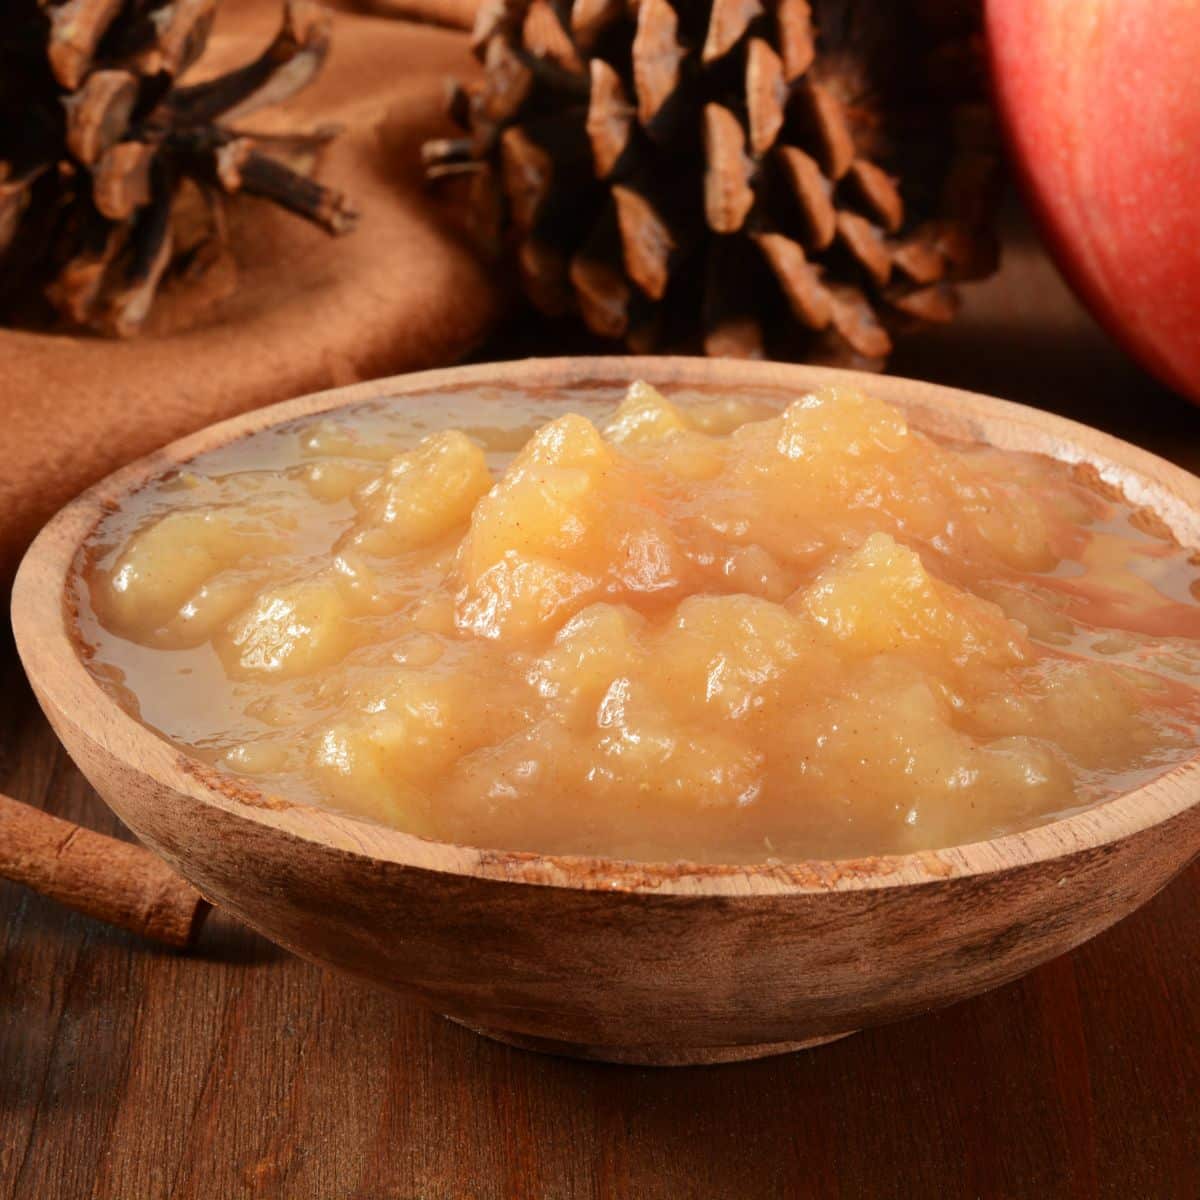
x=1101, y=100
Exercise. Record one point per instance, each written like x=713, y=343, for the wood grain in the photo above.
x=127, y=1072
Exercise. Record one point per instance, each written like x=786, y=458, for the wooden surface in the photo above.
x=127, y=1072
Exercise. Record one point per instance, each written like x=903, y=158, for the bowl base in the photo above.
x=649, y=1056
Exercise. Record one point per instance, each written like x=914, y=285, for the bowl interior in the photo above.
x=45, y=624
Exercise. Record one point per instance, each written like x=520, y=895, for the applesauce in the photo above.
x=697, y=626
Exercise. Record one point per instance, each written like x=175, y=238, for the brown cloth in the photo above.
x=459, y=14
x=308, y=312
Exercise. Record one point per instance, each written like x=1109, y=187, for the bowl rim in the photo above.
x=50, y=651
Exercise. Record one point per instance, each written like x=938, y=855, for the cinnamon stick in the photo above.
x=99, y=876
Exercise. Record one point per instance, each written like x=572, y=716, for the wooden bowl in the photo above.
x=613, y=960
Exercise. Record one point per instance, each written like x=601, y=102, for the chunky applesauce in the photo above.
x=725, y=629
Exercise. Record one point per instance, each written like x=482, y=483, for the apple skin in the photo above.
x=1101, y=103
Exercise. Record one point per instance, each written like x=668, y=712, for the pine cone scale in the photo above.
x=99, y=113
x=728, y=23
x=76, y=28
x=646, y=241
x=121, y=181
x=812, y=194
x=609, y=120
x=657, y=55
x=797, y=47
x=766, y=95
x=287, y=66
x=180, y=38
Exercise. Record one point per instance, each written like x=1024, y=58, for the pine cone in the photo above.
x=743, y=175
x=112, y=173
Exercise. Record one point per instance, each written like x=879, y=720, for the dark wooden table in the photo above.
x=129, y=1073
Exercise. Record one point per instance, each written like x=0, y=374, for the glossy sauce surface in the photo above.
x=724, y=629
